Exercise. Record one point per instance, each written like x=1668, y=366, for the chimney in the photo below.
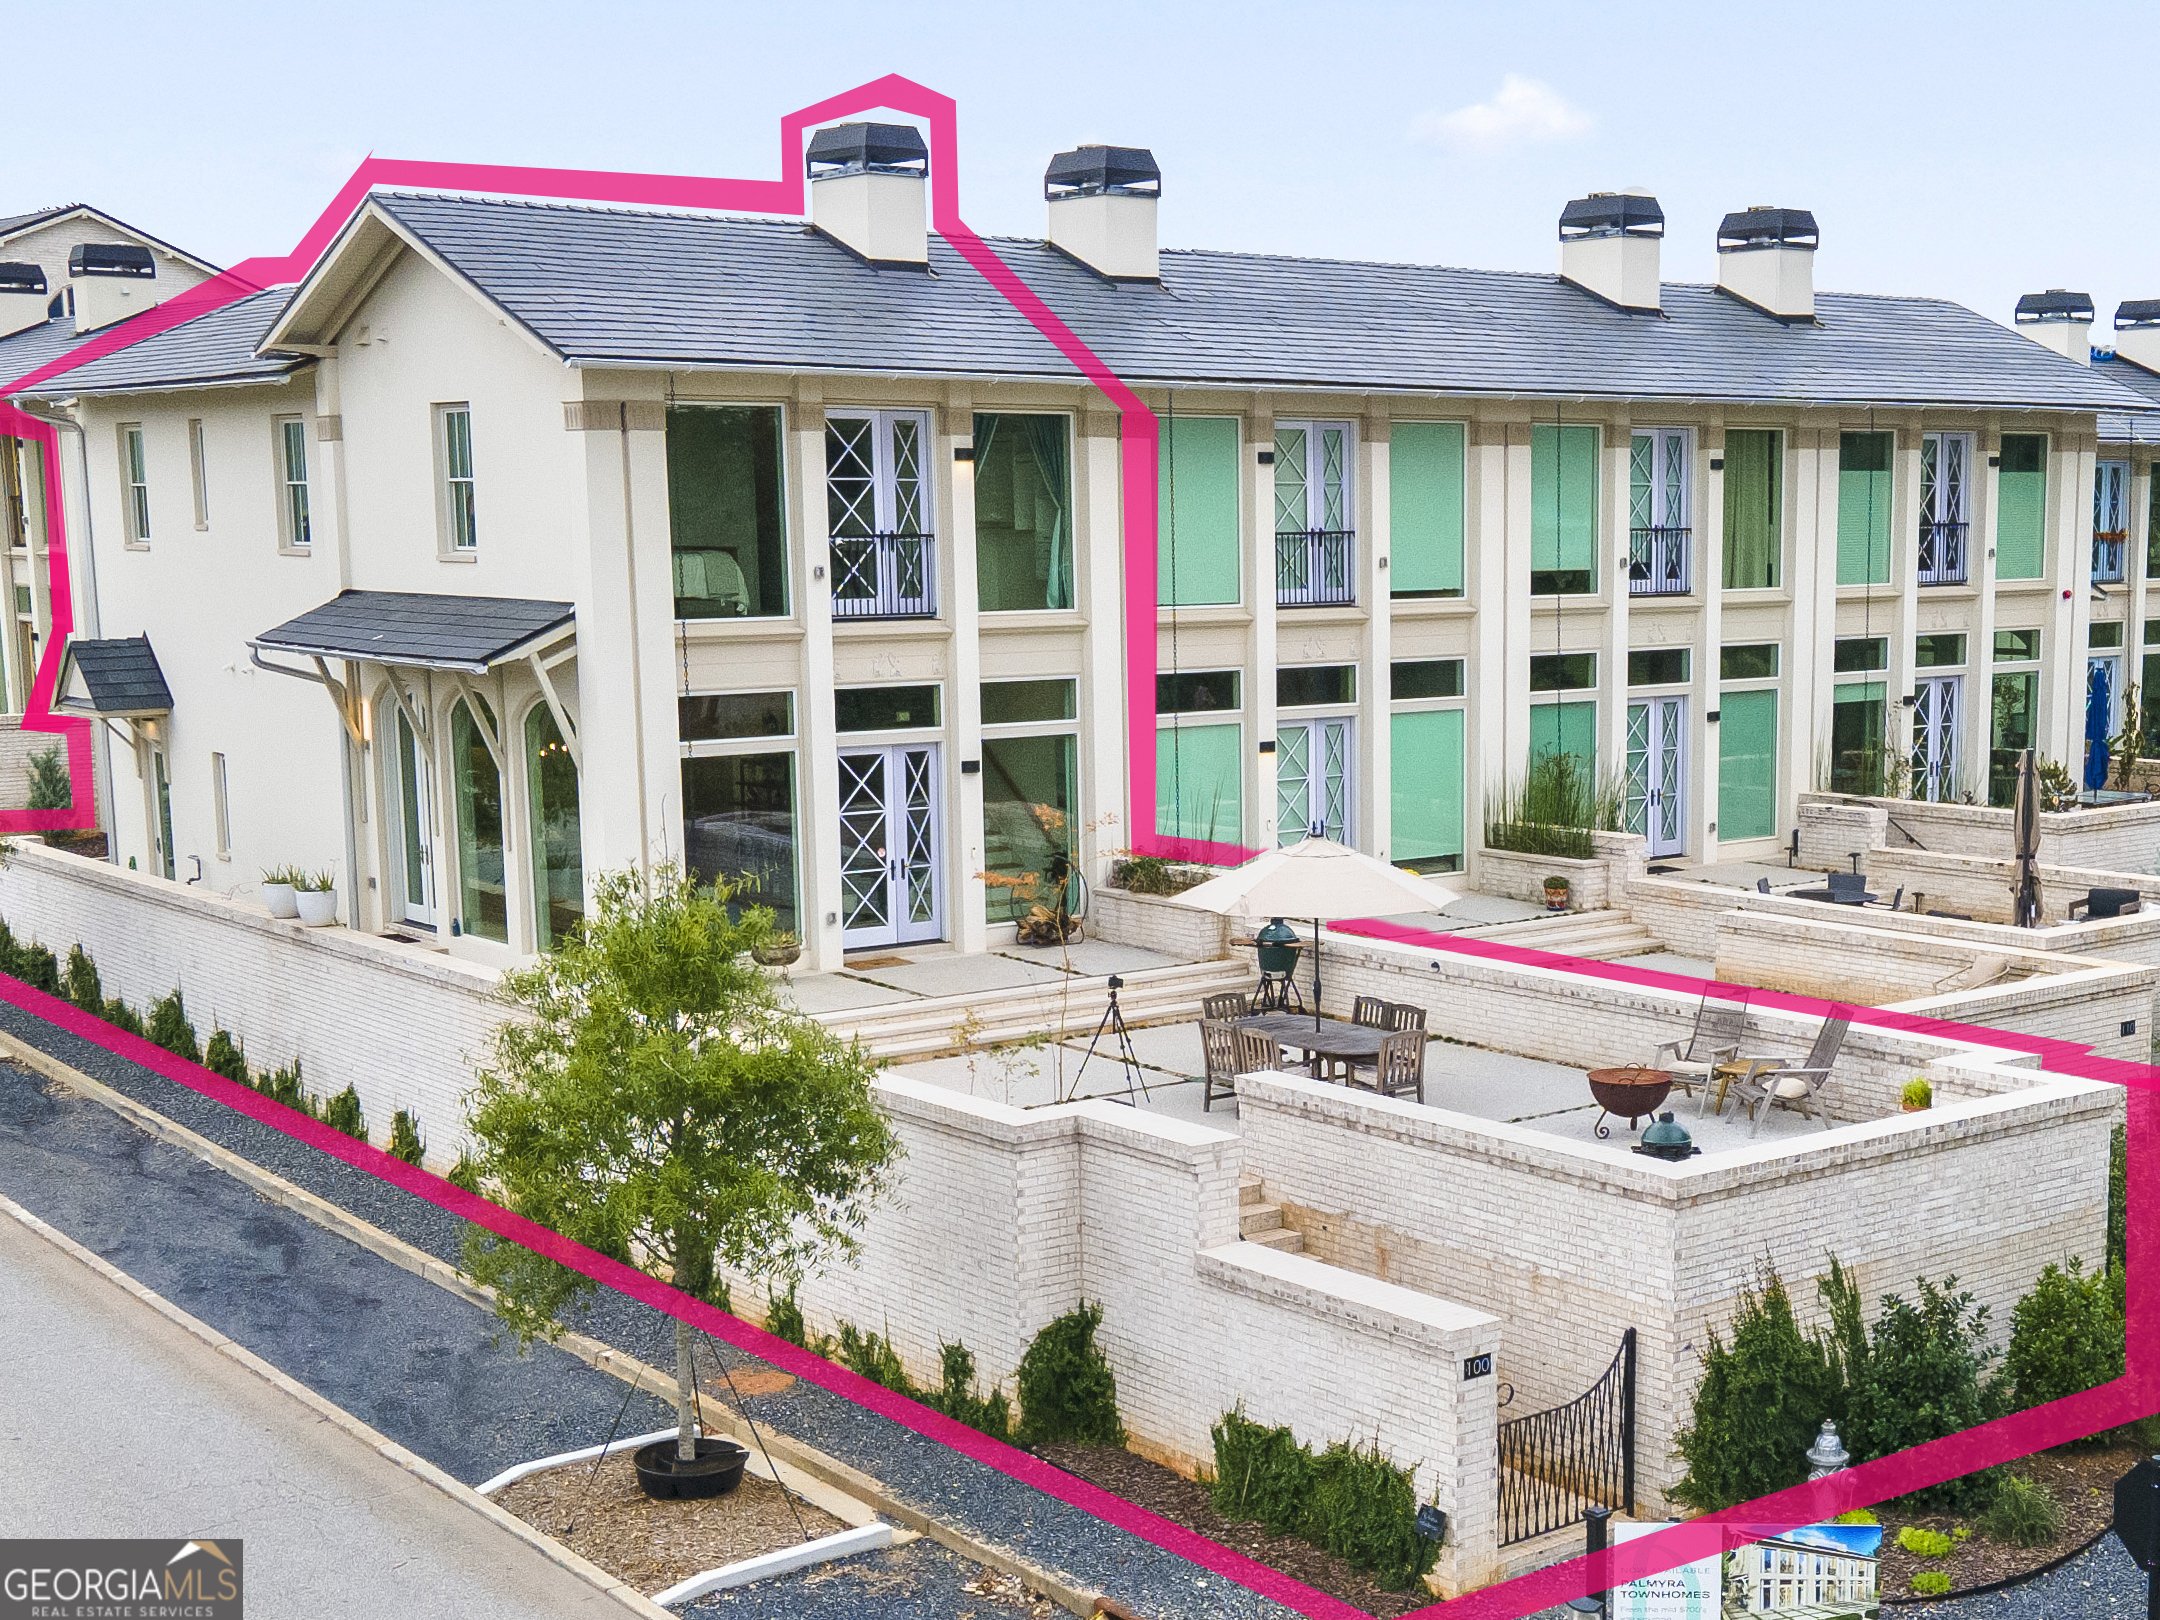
x=1102, y=209
x=1609, y=247
x=1766, y=257
x=22, y=298
x=867, y=191
x=110, y=281
x=2058, y=320
x=2137, y=332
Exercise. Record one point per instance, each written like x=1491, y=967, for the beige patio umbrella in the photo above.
x=1321, y=881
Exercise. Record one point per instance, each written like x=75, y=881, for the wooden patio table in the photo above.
x=1334, y=1040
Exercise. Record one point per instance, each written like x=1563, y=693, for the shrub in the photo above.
x=1364, y=1511
x=406, y=1142
x=169, y=1028
x=50, y=788
x=1067, y=1391
x=38, y=968
x=784, y=1319
x=80, y=983
x=465, y=1175
x=1552, y=809
x=284, y=1085
x=224, y=1056
x=121, y=1016
x=10, y=951
x=875, y=1359
x=342, y=1113
x=1928, y=1374
x=1261, y=1474
x=1917, y=1093
x=2118, y=1198
x=2024, y=1513
x=1924, y=1543
x=2065, y=1337
x=958, y=1397
x=1856, y=1516
x=1761, y=1403
x=1151, y=874
x=1931, y=1583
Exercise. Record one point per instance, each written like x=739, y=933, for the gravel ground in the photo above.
x=921, y=1581
x=1079, y=1548
x=2094, y=1585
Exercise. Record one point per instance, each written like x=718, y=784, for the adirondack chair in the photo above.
x=1793, y=1085
x=1720, y=1027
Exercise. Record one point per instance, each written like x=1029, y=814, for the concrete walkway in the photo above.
x=117, y=1422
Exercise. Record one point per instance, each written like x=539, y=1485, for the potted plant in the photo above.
x=280, y=888
x=1918, y=1094
x=1556, y=893
x=781, y=949
x=315, y=897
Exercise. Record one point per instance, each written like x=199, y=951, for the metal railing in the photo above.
x=1313, y=568
x=884, y=576
x=1942, y=553
x=1658, y=562
x=2108, y=559
x=1556, y=1464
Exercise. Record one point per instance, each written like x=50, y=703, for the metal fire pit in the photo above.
x=1632, y=1093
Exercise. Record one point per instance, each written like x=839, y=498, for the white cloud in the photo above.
x=1522, y=111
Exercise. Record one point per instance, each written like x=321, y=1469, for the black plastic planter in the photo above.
x=717, y=1471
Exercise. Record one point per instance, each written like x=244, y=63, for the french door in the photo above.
x=1312, y=781
x=891, y=888
x=1938, y=711
x=411, y=796
x=1656, y=803
x=877, y=512
x=161, y=788
x=1945, y=463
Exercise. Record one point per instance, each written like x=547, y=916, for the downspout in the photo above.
x=637, y=644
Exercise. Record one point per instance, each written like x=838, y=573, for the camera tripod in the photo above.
x=1113, y=1023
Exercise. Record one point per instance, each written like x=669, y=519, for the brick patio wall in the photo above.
x=1154, y=922
x=16, y=747
x=1981, y=886
x=1593, y=884
x=2114, y=838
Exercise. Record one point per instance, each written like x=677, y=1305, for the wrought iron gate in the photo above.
x=1559, y=1462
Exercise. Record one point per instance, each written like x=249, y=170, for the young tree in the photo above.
x=653, y=1100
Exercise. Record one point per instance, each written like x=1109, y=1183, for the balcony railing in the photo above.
x=2108, y=558
x=1942, y=553
x=1658, y=562
x=1313, y=568
x=884, y=576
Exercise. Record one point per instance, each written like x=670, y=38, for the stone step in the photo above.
x=1280, y=1237
x=1251, y=1190
x=1254, y=1218
x=1599, y=936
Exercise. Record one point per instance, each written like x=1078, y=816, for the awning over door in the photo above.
x=419, y=630
x=114, y=680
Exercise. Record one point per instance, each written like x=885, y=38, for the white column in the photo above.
x=1259, y=520
x=1986, y=506
x=963, y=723
x=1099, y=593
x=1811, y=563
x=1904, y=582
x=2140, y=498
x=2062, y=670
x=817, y=800
x=1375, y=745
x=1707, y=574
x=1617, y=542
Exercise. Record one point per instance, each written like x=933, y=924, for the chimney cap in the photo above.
x=21, y=278
x=854, y=148
x=110, y=259
x=1765, y=226
x=2055, y=305
x=2138, y=312
x=1093, y=170
x=1612, y=213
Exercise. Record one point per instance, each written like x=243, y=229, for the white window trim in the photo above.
x=1315, y=466
x=447, y=546
x=1032, y=728
x=199, y=471
x=134, y=511
x=221, y=807
x=1663, y=442
x=281, y=466
x=885, y=497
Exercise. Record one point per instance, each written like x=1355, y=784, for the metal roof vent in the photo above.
x=867, y=191
x=1102, y=209
x=2137, y=332
x=22, y=298
x=1609, y=243
x=110, y=282
x=2059, y=320
x=1766, y=257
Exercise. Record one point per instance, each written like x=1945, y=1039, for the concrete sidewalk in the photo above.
x=117, y=1422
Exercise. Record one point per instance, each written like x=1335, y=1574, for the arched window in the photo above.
x=551, y=777
x=482, y=898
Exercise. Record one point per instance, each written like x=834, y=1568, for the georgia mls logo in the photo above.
x=120, y=1580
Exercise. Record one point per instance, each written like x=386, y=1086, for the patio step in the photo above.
x=1261, y=1222
x=929, y=1025
x=1597, y=936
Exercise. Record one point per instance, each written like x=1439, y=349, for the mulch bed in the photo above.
x=2083, y=1480
x=1180, y=1500
x=652, y=1544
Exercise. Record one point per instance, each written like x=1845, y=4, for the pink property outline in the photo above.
x=2136, y=1394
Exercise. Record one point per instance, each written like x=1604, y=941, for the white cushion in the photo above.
x=1792, y=1090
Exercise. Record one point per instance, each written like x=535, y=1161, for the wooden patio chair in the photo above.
x=1714, y=1043
x=1403, y=1015
x=1399, y=1066
x=1219, y=1054
x=1256, y=1053
x=1369, y=1013
x=1229, y=1004
x=1793, y=1085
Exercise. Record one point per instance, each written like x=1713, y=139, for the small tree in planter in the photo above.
x=657, y=1103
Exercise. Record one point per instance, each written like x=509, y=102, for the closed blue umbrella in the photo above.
x=2096, y=729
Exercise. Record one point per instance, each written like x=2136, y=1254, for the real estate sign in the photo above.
x=1688, y=1592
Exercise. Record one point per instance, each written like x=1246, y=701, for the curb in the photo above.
x=817, y=1469
x=419, y=1467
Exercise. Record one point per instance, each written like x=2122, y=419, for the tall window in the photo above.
x=875, y=479
x=1425, y=813
x=1560, y=725
x=482, y=896
x=558, y=850
x=199, y=471
x=1563, y=510
x=1030, y=794
x=1863, y=517
x=2021, y=507
x=1199, y=756
x=293, y=531
x=1659, y=513
x=1023, y=513
x=134, y=485
x=1197, y=547
x=1945, y=472
x=2111, y=519
x=739, y=824
x=454, y=448
x=724, y=511
x=1425, y=509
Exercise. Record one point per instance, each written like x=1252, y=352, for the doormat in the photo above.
x=875, y=962
x=1660, y=871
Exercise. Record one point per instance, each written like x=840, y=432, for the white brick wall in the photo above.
x=2114, y=838
x=1154, y=922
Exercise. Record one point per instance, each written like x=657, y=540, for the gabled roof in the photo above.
x=18, y=224
x=117, y=679
x=2130, y=427
x=217, y=350
x=420, y=630
x=23, y=352
x=617, y=287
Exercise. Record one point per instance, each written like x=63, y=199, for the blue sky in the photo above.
x=1974, y=152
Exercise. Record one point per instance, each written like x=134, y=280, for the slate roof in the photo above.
x=23, y=352
x=37, y=216
x=601, y=285
x=118, y=677
x=217, y=349
x=2127, y=428
x=470, y=633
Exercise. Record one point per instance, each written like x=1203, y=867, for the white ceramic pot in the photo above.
x=281, y=899
x=318, y=908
